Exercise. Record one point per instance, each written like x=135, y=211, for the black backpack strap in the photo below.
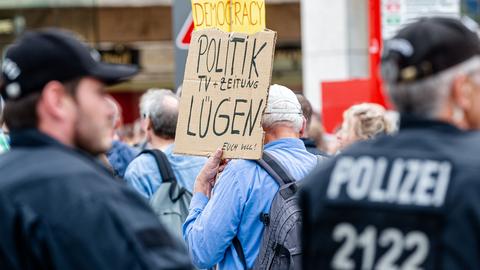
x=273, y=167
x=163, y=164
x=238, y=248
x=282, y=177
x=166, y=172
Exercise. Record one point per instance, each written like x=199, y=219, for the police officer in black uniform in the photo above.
x=412, y=200
x=60, y=209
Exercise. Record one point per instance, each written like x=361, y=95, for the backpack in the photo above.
x=280, y=247
x=171, y=201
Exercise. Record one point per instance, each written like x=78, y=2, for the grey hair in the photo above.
x=145, y=102
x=426, y=97
x=283, y=108
x=161, y=107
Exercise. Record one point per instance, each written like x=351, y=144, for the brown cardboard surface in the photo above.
x=224, y=93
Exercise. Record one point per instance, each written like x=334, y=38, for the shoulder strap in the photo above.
x=273, y=167
x=281, y=176
x=238, y=248
x=163, y=164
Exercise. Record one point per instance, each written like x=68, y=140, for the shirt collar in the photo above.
x=285, y=142
x=409, y=121
x=169, y=149
x=32, y=138
x=36, y=138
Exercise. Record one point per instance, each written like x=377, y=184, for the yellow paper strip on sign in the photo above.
x=243, y=16
x=224, y=93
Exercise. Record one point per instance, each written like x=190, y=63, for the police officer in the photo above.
x=59, y=208
x=412, y=200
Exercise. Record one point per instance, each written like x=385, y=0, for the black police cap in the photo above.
x=39, y=57
x=427, y=47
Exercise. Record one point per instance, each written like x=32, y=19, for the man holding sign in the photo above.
x=244, y=190
x=224, y=99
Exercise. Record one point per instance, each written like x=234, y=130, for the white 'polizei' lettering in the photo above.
x=377, y=194
x=361, y=178
x=340, y=175
x=407, y=182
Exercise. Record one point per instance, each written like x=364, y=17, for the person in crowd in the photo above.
x=4, y=142
x=138, y=139
x=244, y=190
x=160, y=110
x=140, y=125
x=60, y=209
x=363, y=122
x=310, y=143
x=120, y=154
x=316, y=132
x=411, y=200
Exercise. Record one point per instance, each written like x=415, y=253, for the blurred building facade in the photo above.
x=318, y=40
x=140, y=32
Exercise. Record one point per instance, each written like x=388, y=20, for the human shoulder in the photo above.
x=70, y=180
x=142, y=162
x=48, y=162
x=236, y=170
x=240, y=166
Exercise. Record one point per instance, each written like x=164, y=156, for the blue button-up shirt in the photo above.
x=242, y=192
x=144, y=176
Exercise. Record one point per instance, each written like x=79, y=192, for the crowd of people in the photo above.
x=389, y=190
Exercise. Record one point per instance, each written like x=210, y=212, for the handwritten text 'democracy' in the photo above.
x=243, y=16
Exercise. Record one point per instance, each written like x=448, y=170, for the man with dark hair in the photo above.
x=310, y=143
x=59, y=208
x=410, y=200
x=159, y=108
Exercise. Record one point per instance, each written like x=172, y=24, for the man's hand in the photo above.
x=207, y=176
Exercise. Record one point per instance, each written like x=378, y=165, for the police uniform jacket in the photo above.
x=60, y=209
x=409, y=201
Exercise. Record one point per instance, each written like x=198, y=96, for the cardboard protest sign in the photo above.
x=244, y=16
x=224, y=93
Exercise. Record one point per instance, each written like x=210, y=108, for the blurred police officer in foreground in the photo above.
x=410, y=201
x=59, y=209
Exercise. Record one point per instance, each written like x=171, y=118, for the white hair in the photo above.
x=161, y=107
x=282, y=108
x=148, y=99
x=426, y=97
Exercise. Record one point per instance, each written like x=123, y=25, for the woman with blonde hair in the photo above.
x=362, y=122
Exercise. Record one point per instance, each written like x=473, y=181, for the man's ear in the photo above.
x=460, y=100
x=303, y=130
x=461, y=92
x=148, y=124
x=52, y=101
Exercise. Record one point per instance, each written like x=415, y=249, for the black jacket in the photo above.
x=311, y=147
x=409, y=201
x=60, y=209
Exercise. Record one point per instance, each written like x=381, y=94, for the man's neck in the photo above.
x=59, y=134
x=453, y=116
x=160, y=143
x=280, y=132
